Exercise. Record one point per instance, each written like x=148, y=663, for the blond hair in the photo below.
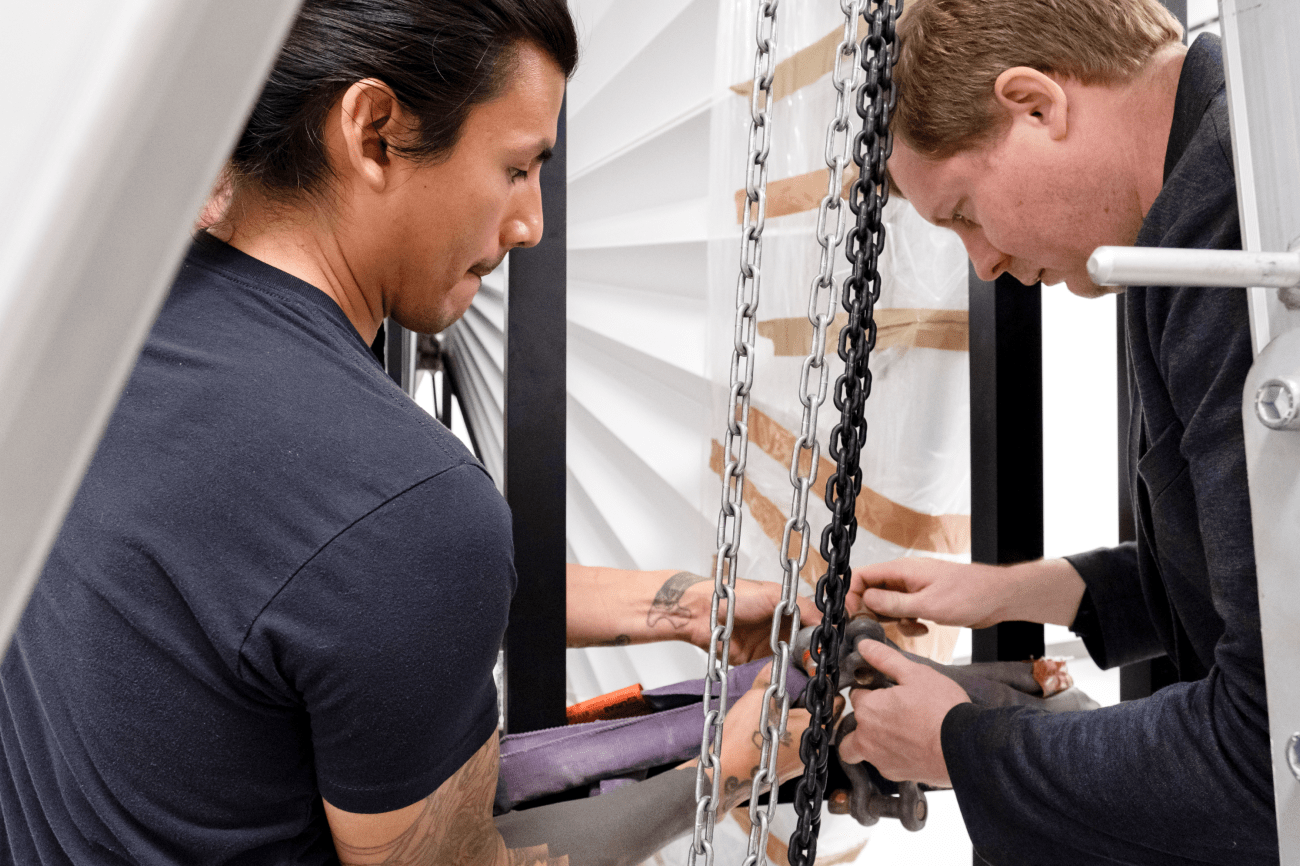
x=952, y=51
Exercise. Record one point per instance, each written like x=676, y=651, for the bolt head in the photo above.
x=1277, y=404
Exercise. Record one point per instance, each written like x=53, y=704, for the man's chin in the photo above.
x=1086, y=288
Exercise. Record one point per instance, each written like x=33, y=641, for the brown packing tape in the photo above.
x=803, y=192
x=877, y=514
x=778, y=443
x=804, y=66
x=907, y=328
x=771, y=520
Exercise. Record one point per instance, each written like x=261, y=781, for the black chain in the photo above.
x=861, y=291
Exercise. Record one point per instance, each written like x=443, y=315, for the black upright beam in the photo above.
x=534, y=463
x=399, y=355
x=1006, y=397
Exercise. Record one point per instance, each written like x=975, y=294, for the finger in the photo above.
x=886, y=602
x=897, y=574
x=886, y=659
x=808, y=612
x=852, y=749
x=763, y=679
x=798, y=721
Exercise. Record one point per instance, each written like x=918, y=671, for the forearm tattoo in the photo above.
x=667, y=604
x=736, y=791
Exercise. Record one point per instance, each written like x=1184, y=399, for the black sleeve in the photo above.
x=1112, y=618
x=389, y=635
x=1185, y=775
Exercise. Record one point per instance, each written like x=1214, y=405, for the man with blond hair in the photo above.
x=1039, y=130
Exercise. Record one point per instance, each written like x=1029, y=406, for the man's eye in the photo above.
x=518, y=173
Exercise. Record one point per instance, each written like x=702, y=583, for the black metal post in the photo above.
x=1006, y=396
x=399, y=355
x=534, y=463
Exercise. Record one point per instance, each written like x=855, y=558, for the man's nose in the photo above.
x=988, y=260
x=523, y=225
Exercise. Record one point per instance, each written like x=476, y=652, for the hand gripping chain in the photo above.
x=813, y=378
x=737, y=435
x=861, y=290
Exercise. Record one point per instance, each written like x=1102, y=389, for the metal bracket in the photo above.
x=1270, y=405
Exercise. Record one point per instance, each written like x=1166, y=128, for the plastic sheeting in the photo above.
x=916, y=473
x=658, y=126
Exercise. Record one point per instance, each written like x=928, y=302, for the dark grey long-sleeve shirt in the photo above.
x=1183, y=776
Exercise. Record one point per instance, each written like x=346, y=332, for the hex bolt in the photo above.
x=1293, y=755
x=1277, y=404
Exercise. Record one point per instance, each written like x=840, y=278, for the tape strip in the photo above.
x=906, y=328
x=790, y=195
x=877, y=514
x=804, y=66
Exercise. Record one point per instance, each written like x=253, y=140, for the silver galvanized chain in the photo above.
x=814, y=377
x=737, y=436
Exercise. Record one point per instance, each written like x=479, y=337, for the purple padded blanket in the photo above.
x=601, y=756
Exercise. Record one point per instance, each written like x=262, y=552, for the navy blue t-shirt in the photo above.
x=280, y=580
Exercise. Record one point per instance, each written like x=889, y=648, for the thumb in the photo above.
x=886, y=659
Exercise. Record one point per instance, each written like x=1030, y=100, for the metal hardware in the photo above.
x=1277, y=404
x=1271, y=460
x=866, y=802
x=866, y=241
x=1143, y=266
x=736, y=444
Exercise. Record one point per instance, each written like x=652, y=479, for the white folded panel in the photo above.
x=120, y=116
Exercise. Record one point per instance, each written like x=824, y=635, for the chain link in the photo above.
x=866, y=241
x=831, y=225
x=736, y=444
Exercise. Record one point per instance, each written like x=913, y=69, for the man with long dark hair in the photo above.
x=266, y=631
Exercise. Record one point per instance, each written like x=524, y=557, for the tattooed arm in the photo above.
x=613, y=607
x=453, y=825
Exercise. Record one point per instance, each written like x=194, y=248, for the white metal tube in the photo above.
x=1143, y=266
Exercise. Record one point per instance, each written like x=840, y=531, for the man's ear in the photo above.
x=370, y=120
x=1033, y=97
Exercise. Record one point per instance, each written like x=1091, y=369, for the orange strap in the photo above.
x=622, y=704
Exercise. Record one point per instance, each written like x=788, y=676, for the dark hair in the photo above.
x=440, y=57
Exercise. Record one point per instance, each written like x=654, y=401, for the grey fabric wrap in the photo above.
x=539, y=763
x=621, y=828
